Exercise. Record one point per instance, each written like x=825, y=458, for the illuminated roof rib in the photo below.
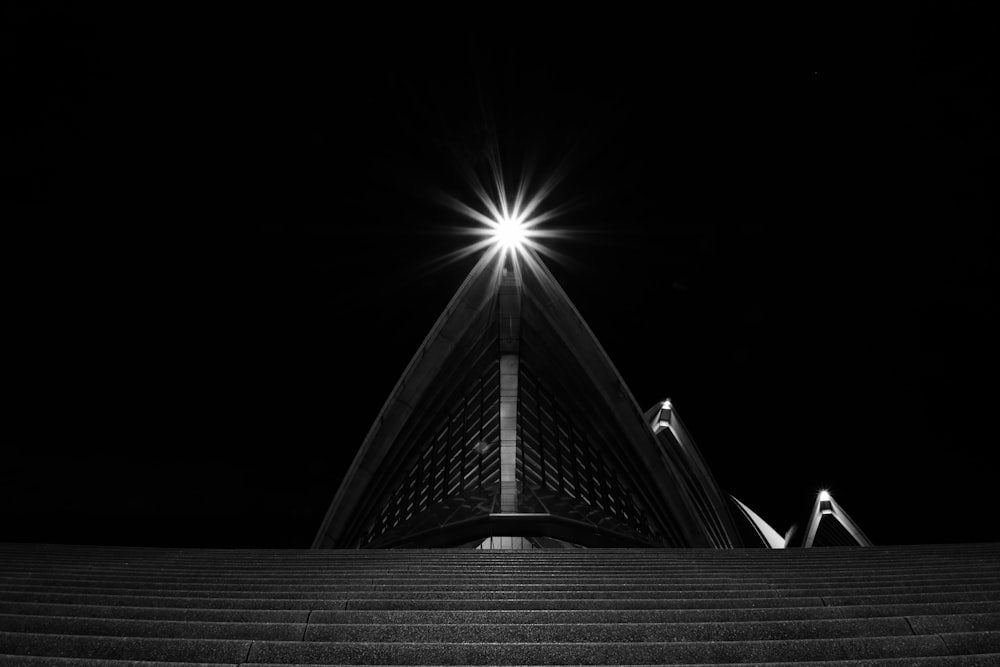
x=512, y=421
x=763, y=531
x=701, y=493
x=830, y=526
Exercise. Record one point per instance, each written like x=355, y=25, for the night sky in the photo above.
x=232, y=244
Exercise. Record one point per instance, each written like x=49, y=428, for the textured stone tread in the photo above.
x=493, y=594
x=984, y=660
x=955, y=623
x=166, y=613
x=184, y=602
x=918, y=609
x=972, y=642
x=566, y=581
x=125, y=648
x=453, y=617
x=50, y=661
x=588, y=603
x=116, y=627
x=610, y=632
x=109, y=607
x=475, y=576
x=914, y=597
x=596, y=653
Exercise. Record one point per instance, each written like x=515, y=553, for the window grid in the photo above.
x=461, y=454
x=555, y=454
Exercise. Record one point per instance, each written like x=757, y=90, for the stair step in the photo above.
x=233, y=651
x=108, y=606
x=495, y=652
x=555, y=603
x=653, y=591
x=611, y=632
x=116, y=627
x=937, y=661
x=157, y=613
x=597, y=653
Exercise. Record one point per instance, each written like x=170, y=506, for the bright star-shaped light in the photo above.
x=509, y=228
x=510, y=231
x=508, y=218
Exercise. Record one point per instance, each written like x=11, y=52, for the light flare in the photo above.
x=510, y=232
x=507, y=224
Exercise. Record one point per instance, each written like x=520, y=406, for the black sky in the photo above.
x=231, y=247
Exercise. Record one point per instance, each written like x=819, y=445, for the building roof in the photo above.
x=512, y=358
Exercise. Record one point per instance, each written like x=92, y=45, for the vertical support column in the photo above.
x=510, y=336
x=508, y=432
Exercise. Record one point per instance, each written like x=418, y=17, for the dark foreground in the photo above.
x=906, y=605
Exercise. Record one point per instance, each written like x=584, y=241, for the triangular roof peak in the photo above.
x=512, y=420
x=830, y=525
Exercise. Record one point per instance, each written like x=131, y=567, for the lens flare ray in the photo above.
x=508, y=225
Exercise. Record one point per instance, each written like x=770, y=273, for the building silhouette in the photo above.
x=511, y=428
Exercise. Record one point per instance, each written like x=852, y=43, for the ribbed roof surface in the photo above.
x=76, y=605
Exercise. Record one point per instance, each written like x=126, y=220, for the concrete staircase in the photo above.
x=907, y=605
